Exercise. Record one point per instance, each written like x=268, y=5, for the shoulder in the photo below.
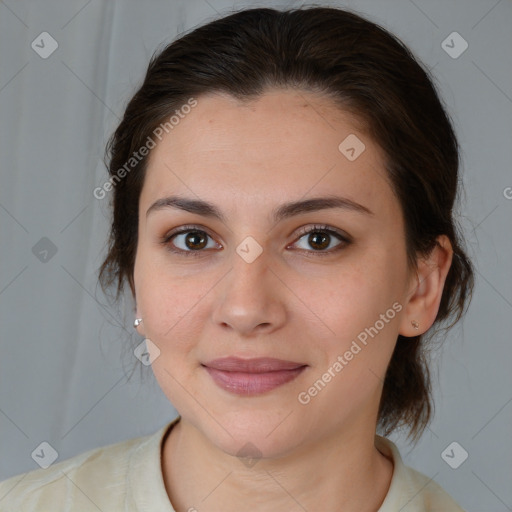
x=78, y=482
x=410, y=490
x=429, y=494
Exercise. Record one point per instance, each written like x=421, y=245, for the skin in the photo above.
x=289, y=303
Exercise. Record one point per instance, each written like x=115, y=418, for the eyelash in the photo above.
x=343, y=238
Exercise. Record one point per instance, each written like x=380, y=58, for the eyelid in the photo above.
x=309, y=228
x=300, y=232
x=185, y=228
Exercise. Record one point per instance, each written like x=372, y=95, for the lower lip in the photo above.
x=252, y=383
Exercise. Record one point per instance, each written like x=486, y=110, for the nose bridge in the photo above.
x=249, y=296
x=250, y=266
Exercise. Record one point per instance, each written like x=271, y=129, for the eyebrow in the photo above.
x=286, y=210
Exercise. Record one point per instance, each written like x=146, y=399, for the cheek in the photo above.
x=363, y=311
x=359, y=290
x=170, y=304
x=359, y=302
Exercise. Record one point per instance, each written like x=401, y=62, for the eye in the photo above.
x=320, y=237
x=192, y=240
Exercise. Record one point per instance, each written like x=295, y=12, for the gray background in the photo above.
x=66, y=356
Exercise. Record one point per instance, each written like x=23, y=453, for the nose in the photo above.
x=251, y=299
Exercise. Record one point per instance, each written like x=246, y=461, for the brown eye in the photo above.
x=190, y=241
x=187, y=241
x=320, y=238
x=195, y=240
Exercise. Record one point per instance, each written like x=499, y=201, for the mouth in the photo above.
x=252, y=376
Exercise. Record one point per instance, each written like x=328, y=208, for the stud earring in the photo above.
x=137, y=322
x=415, y=324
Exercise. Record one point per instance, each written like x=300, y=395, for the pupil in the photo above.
x=195, y=237
x=313, y=238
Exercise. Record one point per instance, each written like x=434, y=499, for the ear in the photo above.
x=426, y=288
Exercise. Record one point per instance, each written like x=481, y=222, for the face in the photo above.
x=322, y=287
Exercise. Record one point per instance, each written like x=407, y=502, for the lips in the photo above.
x=257, y=365
x=252, y=376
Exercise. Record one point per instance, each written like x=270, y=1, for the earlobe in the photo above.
x=424, y=296
x=137, y=324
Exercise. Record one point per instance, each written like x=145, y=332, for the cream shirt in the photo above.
x=127, y=476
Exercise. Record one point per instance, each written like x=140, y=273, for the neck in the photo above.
x=343, y=472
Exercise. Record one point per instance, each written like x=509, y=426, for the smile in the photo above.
x=252, y=376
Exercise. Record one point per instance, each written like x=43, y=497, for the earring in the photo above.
x=137, y=322
x=415, y=324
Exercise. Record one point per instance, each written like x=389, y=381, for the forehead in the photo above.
x=284, y=144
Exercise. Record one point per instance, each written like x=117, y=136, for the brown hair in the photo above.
x=364, y=70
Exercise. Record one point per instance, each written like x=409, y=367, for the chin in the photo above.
x=253, y=433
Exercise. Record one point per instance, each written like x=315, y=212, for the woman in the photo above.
x=283, y=186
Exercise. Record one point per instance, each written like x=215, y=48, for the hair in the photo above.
x=364, y=70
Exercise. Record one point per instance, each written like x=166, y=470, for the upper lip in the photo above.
x=256, y=365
